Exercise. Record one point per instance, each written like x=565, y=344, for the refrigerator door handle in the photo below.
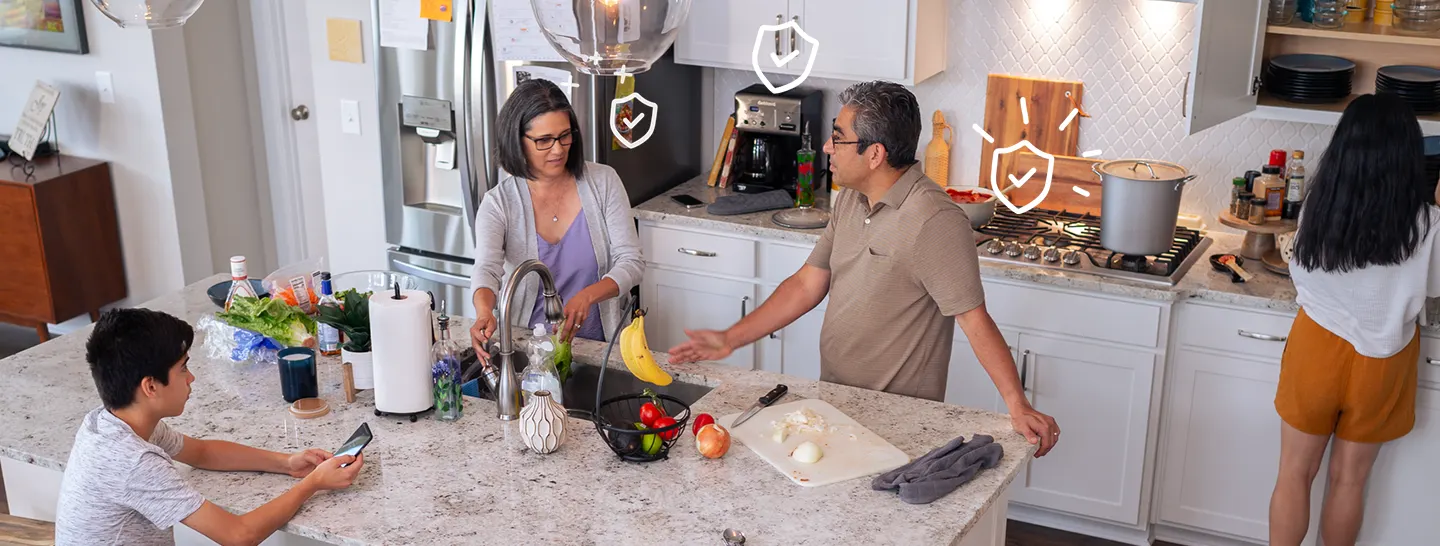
x=429, y=274
x=473, y=174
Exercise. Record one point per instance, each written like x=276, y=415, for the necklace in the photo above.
x=554, y=218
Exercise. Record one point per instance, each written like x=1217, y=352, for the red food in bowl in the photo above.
x=968, y=196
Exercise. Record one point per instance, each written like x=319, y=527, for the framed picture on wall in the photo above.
x=51, y=25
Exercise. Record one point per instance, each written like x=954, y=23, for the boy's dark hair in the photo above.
x=129, y=345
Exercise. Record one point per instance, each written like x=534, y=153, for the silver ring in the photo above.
x=1056, y=433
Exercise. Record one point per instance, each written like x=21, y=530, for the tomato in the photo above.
x=649, y=413
x=700, y=421
x=665, y=422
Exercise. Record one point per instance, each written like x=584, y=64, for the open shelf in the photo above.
x=1269, y=107
x=1367, y=31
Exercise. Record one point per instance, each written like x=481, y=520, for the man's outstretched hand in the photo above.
x=702, y=345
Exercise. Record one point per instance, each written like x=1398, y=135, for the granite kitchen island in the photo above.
x=470, y=482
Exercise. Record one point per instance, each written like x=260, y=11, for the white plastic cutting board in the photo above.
x=844, y=458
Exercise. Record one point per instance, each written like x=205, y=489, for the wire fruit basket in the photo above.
x=617, y=419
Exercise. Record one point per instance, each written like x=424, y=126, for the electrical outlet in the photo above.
x=105, y=87
x=350, y=117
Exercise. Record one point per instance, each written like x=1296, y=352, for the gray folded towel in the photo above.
x=941, y=471
x=745, y=203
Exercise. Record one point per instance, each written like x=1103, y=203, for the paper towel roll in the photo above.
x=400, y=347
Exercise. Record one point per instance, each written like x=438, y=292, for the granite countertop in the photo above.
x=470, y=481
x=1266, y=291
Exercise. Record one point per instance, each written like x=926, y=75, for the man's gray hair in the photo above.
x=887, y=114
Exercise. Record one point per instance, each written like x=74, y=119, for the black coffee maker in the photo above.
x=769, y=128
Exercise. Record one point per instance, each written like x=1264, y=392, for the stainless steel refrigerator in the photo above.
x=437, y=113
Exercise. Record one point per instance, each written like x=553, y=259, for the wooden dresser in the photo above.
x=59, y=242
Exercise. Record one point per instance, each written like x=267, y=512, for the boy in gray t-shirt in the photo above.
x=120, y=485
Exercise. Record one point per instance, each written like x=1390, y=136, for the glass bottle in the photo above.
x=445, y=371
x=239, y=282
x=1237, y=187
x=1294, y=186
x=327, y=336
x=805, y=175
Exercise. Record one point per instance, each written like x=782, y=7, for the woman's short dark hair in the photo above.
x=129, y=345
x=886, y=114
x=1367, y=202
x=531, y=99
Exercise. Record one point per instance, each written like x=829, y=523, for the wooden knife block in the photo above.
x=59, y=242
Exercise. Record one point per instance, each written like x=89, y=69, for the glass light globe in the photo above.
x=607, y=37
x=148, y=13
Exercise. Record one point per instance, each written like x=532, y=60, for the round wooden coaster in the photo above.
x=309, y=408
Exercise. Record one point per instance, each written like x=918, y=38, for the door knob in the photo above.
x=300, y=113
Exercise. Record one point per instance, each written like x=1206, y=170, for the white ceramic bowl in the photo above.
x=979, y=213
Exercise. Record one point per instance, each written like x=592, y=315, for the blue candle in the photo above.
x=297, y=374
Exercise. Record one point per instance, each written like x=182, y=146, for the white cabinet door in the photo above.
x=1229, y=44
x=1213, y=404
x=967, y=384
x=1401, y=504
x=859, y=39
x=677, y=301
x=722, y=32
x=794, y=349
x=1100, y=397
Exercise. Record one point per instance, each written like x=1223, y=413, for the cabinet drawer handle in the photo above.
x=778, y=19
x=1431, y=361
x=1261, y=337
x=700, y=253
x=792, y=32
x=1025, y=370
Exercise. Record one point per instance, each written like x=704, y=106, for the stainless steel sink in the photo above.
x=579, y=390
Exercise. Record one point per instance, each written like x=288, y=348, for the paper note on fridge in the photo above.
x=564, y=79
x=517, y=32
x=402, y=27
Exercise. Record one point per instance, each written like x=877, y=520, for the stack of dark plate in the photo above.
x=1310, y=79
x=1418, y=85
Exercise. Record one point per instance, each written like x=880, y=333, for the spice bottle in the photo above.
x=1258, y=211
x=1237, y=187
x=1272, y=189
x=1242, y=206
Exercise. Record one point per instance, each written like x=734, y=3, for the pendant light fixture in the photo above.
x=611, y=37
x=148, y=14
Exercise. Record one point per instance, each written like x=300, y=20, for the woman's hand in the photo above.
x=481, y=331
x=577, y=310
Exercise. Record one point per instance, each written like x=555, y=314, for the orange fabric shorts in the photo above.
x=1326, y=387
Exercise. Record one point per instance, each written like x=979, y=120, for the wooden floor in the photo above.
x=1025, y=534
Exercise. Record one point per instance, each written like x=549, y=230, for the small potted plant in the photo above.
x=352, y=318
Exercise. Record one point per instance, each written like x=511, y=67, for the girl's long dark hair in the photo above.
x=1367, y=202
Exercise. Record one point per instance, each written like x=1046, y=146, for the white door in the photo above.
x=283, y=62
x=967, y=383
x=1401, y=504
x=720, y=33
x=676, y=302
x=1213, y=404
x=800, y=342
x=1229, y=44
x=1100, y=397
x=859, y=39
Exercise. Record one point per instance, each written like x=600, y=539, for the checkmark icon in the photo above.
x=630, y=123
x=780, y=61
x=1022, y=180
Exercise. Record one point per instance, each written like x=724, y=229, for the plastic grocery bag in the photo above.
x=238, y=345
x=297, y=284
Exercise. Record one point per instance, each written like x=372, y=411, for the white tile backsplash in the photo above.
x=1132, y=56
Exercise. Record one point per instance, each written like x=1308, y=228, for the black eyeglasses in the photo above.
x=545, y=143
x=839, y=142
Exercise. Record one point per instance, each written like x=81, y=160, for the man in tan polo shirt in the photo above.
x=898, y=259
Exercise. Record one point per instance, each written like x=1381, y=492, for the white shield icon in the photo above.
x=995, y=172
x=632, y=121
x=778, y=60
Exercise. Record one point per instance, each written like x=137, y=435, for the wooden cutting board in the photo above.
x=1067, y=174
x=1047, y=106
x=852, y=451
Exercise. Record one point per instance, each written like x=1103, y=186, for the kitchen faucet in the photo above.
x=507, y=393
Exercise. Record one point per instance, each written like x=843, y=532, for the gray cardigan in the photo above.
x=505, y=237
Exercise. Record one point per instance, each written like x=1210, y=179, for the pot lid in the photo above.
x=1142, y=169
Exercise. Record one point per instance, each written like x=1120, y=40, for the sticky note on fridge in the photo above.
x=438, y=10
x=401, y=26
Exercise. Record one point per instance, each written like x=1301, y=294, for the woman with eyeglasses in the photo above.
x=552, y=205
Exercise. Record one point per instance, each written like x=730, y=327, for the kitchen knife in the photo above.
x=765, y=401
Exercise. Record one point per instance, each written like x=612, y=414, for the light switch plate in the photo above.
x=350, y=117
x=105, y=87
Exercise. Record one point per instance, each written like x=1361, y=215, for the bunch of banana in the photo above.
x=635, y=349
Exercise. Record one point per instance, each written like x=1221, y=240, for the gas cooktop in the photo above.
x=1071, y=241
